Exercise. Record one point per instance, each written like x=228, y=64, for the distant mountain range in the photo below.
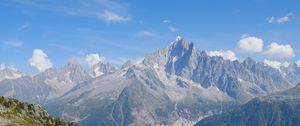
x=50, y=84
x=176, y=85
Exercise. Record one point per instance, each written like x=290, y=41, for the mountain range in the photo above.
x=276, y=109
x=176, y=85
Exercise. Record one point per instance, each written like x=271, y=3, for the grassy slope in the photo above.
x=16, y=113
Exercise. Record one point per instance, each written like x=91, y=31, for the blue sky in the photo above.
x=129, y=29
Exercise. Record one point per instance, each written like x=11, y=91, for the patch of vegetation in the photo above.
x=16, y=113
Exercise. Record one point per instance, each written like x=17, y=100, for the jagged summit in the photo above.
x=249, y=61
x=101, y=68
x=73, y=62
x=178, y=38
x=181, y=47
x=127, y=64
x=180, y=41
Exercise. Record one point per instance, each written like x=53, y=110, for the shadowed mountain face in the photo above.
x=278, y=109
x=176, y=85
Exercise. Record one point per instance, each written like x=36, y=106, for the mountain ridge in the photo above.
x=194, y=84
x=181, y=86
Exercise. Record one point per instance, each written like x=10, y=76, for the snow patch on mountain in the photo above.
x=101, y=68
x=9, y=73
x=275, y=64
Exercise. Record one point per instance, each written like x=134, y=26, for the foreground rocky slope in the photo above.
x=16, y=113
x=278, y=109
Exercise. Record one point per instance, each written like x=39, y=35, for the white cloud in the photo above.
x=110, y=16
x=273, y=64
x=119, y=61
x=275, y=50
x=271, y=19
x=280, y=20
x=145, y=34
x=298, y=63
x=82, y=8
x=227, y=55
x=250, y=44
x=93, y=59
x=166, y=21
x=40, y=60
x=276, y=64
x=283, y=20
x=173, y=29
x=15, y=43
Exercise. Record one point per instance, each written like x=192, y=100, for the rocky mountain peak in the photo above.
x=248, y=62
x=127, y=64
x=9, y=73
x=73, y=63
x=101, y=68
x=180, y=45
